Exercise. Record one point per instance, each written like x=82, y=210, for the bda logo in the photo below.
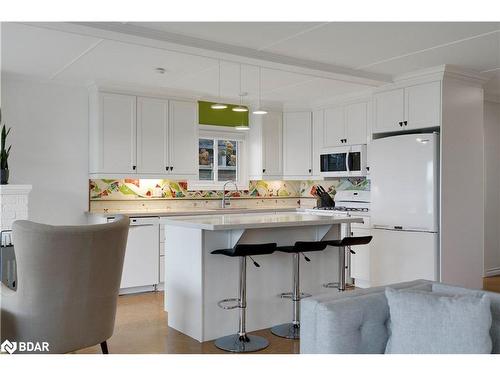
x=9, y=347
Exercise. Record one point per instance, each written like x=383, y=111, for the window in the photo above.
x=219, y=158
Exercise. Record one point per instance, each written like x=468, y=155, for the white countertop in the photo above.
x=262, y=220
x=193, y=211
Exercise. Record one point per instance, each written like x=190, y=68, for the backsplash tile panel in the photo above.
x=133, y=189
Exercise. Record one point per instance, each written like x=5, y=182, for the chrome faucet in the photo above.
x=224, y=203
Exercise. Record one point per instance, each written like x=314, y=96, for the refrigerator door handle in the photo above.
x=347, y=161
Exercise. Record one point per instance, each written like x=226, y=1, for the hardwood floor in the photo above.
x=141, y=327
x=492, y=284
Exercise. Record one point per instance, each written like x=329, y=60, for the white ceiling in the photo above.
x=355, y=50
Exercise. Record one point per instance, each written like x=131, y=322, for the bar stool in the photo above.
x=292, y=330
x=342, y=244
x=242, y=342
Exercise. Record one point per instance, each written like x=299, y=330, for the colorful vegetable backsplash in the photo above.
x=125, y=189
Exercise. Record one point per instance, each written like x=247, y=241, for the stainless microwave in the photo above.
x=348, y=161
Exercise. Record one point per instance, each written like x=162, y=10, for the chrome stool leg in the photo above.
x=341, y=284
x=242, y=342
x=292, y=330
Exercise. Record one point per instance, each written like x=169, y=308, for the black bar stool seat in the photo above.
x=350, y=241
x=247, y=250
x=342, y=244
x=292, y=330
x=242, y=342
x=303, y=247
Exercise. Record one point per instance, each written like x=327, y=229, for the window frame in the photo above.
x=223, y=133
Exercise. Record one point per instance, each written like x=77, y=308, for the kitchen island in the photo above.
x=196, y=280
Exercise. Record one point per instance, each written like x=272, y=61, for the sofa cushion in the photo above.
x=495, y=308
x=433, y=323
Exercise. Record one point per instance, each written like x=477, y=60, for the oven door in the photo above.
x=334, y=163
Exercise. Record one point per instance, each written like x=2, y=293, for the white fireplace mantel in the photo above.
x=13, y=204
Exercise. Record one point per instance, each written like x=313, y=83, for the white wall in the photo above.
x=462, y=184
x=492, y=188
x=50, y=147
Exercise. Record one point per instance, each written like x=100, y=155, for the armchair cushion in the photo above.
x=434, y=323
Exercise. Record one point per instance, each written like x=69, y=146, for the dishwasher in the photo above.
x=141, y=264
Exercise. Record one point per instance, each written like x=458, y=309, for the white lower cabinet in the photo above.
x=360, y=262
x=141, y=264
x=162, y=269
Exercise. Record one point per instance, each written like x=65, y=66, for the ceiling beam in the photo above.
x=133, y=34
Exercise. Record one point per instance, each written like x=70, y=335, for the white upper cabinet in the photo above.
x=152, y=136
x=265, y=150
x=142, y=136
x=114, y=135
x=318, y=119
x=412, y=107
x=345, y=125
x=356, y=123
x=183, y=139
x=272, y=151
x=389, y=110
x=423, y=105
x=297, y=144
x=334, y=127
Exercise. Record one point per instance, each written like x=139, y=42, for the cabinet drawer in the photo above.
x=364, y=225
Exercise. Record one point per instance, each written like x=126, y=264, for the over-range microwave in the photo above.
x=348, y=161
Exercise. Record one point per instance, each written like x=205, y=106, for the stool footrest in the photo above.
x=336, y=285
x=289, y=295
x=223, y=303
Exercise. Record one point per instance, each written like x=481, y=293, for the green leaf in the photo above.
x=124, y=189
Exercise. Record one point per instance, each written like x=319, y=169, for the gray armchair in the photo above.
x=356, y=322
x=68, y=278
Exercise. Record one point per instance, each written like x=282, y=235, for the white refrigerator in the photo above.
x=404, y=172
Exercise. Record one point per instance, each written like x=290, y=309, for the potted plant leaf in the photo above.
x=4, y=154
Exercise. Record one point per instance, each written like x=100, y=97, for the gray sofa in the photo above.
x=356, y=322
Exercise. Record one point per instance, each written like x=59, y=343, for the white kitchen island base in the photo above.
x=196, y=280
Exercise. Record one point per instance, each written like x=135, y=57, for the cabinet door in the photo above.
x=334, y=127
x=356, y=116
x=272, y=130
x=183, y=139
x=423, y=105
x=360, y=262
x=318, y=118
x=297, y=143
x=152, y=136
x=388, y=108
x=118, y=133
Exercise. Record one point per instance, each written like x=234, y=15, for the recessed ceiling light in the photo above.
x=160, y=70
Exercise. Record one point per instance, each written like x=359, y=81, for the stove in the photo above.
x=347, y=202
x=342, y=209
